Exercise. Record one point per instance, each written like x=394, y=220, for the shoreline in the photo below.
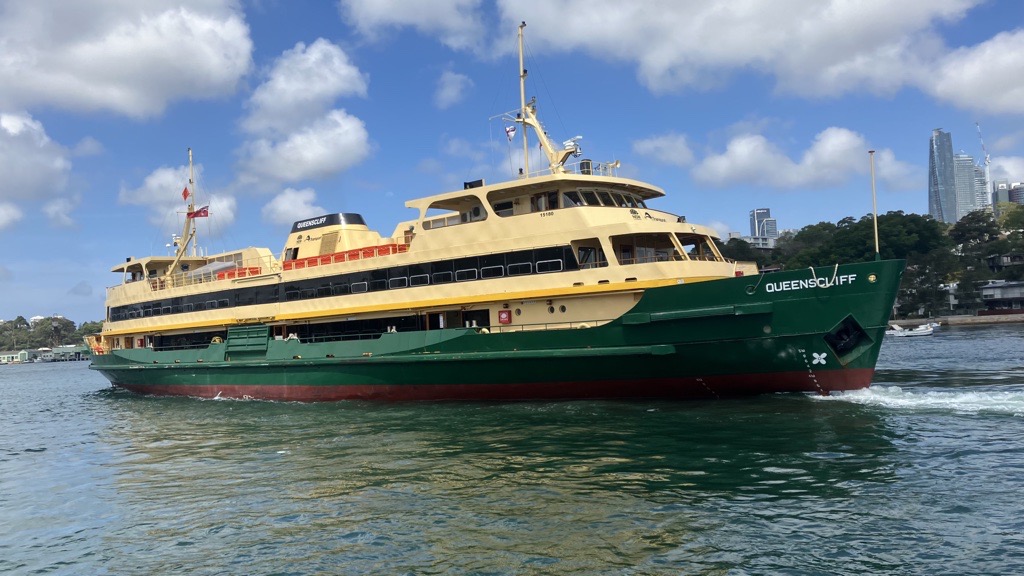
x=962, y=320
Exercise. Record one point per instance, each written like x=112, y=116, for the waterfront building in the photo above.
x=1002, y=297
x=14, y=356
x=941, y=183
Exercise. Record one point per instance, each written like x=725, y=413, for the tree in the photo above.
x=742, y=251
x=923, y=291
x=977, y=227
x=1011, y=216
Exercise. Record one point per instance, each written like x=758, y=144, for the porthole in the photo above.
x=519, y=312
x=551, y=309
x=561, y=309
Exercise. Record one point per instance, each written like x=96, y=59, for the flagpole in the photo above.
x=874, y=203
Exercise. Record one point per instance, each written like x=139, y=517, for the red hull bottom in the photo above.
x=668, y=388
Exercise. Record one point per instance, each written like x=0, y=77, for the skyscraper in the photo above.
x=963, y=175
x=982, y=194
x=941, y=181
x=762, y=223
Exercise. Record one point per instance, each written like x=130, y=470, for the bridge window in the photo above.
x=699, y=247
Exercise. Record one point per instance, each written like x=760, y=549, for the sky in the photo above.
x=296, y=108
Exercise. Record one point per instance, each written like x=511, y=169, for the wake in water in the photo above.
x=949, y=400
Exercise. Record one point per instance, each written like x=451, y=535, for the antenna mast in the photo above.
x=527, y=116
x=188, y=233
x=522, y=99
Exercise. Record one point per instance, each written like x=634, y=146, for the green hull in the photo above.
x=805, y=330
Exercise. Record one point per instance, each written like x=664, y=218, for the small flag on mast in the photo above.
x=510, y=131
x=200, y=213
x=185, y=193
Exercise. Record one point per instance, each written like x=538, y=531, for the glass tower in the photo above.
x=941, y=180
x=762, y=223
x=963, y=174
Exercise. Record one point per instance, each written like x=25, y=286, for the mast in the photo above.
x=528, y=117
x=192, y=197
x=522, y=99
x=188, y=232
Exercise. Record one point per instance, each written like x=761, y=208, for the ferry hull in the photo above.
x=812, y=330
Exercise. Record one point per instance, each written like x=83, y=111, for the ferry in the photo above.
x=565, y=282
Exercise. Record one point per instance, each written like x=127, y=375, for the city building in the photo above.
x=760, y=220
x=963, y=177
x=764, y=229
x=982, y=194
x=1016, y=193
x=941, y=182
x=1000, y=192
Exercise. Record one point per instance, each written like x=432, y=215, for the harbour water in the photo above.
x=921, y=474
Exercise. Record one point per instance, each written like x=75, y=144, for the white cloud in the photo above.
x=748, y=159
x=721, y=227
x=330, y=145
x=88, y=146
x=9, y=214
x=457, y=23
x=833, y=47
x=1006, y=142
x=897, y=175
x=5, y=273
x=1009, y=168
x=464, y=149
x=160, y=192
x=32, y=165
x=302, y=85
x=223, y=209
x=292, y=205
x=985, y=77
x=451, y=89
x=296, y=135
x=59, y=211
x=668, y=148
x=834, y=157
x=128, y=57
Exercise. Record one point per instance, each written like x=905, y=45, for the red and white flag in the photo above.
x=200, y=213
x=185, y=193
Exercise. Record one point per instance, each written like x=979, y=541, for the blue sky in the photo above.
x=297, y=108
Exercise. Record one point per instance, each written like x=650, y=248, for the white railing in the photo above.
x=582, y=167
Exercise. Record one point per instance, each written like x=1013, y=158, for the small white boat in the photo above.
x=922, y=330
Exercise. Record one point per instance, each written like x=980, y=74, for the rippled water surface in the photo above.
x=921, y=474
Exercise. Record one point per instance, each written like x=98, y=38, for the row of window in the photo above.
x=519, y=263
